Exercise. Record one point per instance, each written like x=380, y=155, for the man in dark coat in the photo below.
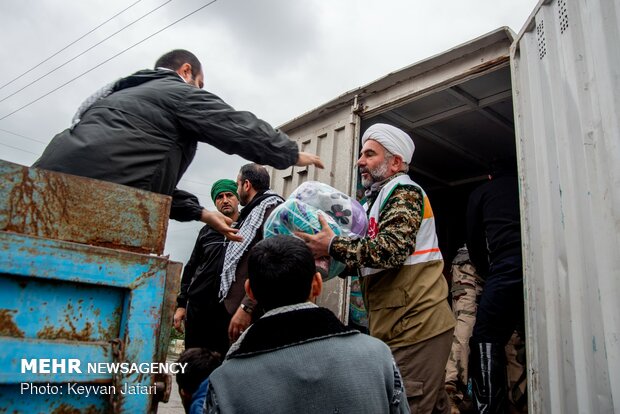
x=198, y=304
x=494, y=242
x=143, y=131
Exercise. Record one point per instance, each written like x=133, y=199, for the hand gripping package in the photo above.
x=300, y=212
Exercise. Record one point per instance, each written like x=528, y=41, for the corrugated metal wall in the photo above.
x=566, y=87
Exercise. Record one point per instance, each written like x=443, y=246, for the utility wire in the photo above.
x=17, y=148
x=69, y=45
x=23, y=136
x=190, y=181
x=85, y=51
x=107, y=60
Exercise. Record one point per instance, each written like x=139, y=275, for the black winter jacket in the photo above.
x=201, y=276
x=145, y=135
x=493, y=222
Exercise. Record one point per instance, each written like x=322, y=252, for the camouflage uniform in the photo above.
x=517, y=374
x=400, y=219
x=465, y=291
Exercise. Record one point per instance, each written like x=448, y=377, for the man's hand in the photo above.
x=220, y=223
x=305, y=158
x=318, y=243
x=179, y=318
x=239, y=323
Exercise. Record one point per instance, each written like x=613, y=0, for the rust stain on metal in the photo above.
x=33, y=211
x=51, y=332
x=143, y=278
x=489, y=64
x=58, y=206
x=113, y=324
x=143, y=211
x=118, y=246
x=8, y=327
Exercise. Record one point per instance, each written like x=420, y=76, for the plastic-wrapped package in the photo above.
x=300, y=212
x=295, y=215
x=346, y=211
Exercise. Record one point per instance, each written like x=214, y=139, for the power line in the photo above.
x=69, y=45
x=82, y=53
x=17, y=148
x=194, y=182
x=23, y=136
x=107, y=60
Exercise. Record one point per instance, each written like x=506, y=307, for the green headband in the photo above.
x=223, y=185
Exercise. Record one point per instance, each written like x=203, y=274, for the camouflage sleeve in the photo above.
x=399, y=222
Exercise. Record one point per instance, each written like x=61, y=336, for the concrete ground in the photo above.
x=174, y=405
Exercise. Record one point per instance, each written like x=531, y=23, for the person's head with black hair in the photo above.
x=501, y=166
x=201, y=362
x=281, y=271
x=252, y=179
x=185, y=63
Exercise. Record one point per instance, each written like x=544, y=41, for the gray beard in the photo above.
x=376, y=175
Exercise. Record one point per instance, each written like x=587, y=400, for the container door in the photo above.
x=334, y=137
x=566, y=88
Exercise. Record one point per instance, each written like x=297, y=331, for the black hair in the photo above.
x=503, y=166
x=257, y=175
x=176, y=58
x=200, y=364
x=280, y=270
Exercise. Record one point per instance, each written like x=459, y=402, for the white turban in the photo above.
x=396, y=141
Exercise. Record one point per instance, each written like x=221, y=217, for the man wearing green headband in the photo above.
x=206, y=318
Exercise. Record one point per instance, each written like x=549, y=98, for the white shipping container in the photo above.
x=557, y=86
x=566, y=86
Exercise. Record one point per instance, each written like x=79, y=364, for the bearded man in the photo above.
x=400, y=265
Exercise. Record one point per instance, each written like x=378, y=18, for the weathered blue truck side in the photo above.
x=82, y=285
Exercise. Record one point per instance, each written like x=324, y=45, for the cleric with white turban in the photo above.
x=396, y=141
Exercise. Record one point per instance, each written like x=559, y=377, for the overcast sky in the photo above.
x=276, y=58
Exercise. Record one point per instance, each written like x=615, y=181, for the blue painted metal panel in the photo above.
x=31, y=256
x=74, y=311
x=65, y=300
x=15, y=349
x=27, y=403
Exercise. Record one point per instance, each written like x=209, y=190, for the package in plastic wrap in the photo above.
x=346, y=211
x=300, y=212
x=295, y=215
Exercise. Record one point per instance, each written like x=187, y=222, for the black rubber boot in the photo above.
x=487, y=371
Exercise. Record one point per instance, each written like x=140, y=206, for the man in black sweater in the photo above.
x=494, y=242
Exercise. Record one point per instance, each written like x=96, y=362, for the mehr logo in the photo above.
x=51, y=366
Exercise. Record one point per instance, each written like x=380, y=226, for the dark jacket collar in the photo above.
x=290, y=328
x=258, y=198
x=144, y=76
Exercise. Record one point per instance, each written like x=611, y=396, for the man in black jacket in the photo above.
x=143, y=131
x=494, y=242
x=206, y=318
x=258, y=203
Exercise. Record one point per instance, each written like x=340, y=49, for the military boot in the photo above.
x=487, y=371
